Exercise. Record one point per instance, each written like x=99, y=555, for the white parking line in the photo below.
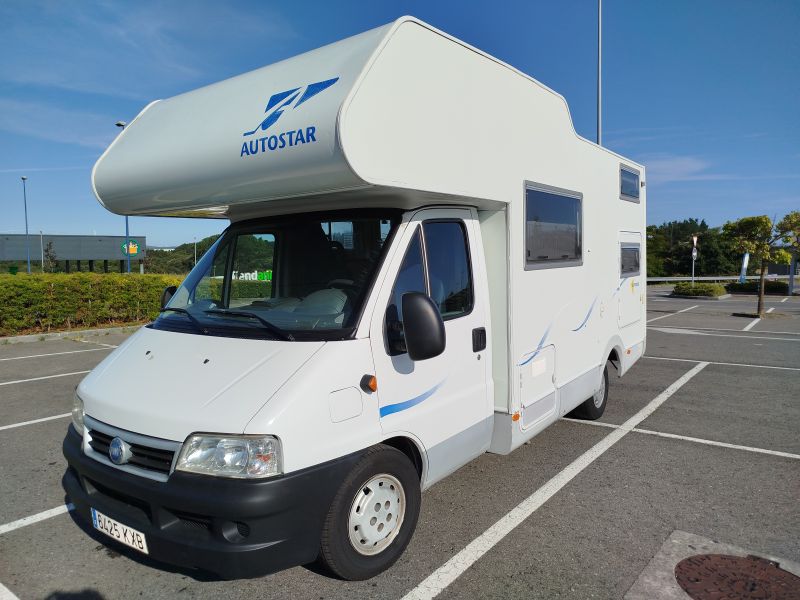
x=723, y=329
x=6, y=594
x=769, y=310
x=727, y=364
x=784, y=300
x=688, y=331
x=690, y=439
x=91, y=342
x=43, y=377
x=15, y=425
x=47, y=514
x=670, y=314
x=442, y=577
x=55, y=354
x=751, y=324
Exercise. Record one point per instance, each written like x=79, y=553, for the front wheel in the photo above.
x=594, y=407
x=373, y=515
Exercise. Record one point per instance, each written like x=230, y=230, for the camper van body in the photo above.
x=452, y=171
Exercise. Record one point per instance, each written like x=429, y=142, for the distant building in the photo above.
x=69, y=250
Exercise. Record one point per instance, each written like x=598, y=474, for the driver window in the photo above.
x=251, y=279
x=410, y=278
x=210, y=286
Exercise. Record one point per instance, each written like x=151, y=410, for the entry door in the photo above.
x=632, y=284
x=442, y=401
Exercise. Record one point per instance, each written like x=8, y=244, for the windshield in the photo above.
x=303, y=277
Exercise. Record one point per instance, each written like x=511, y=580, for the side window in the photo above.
x=629, y=260
x=553, y=228
x=628, y=184
x=410, y=278
x=251, y=280
x=210, y=286
x=449, y=277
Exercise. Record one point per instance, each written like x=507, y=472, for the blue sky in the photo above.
x=705, y=93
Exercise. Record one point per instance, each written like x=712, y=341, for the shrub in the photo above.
x=685, y=288
x=751, y=287
x=48, y=301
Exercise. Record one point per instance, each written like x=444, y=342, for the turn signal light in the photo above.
x=369, y=383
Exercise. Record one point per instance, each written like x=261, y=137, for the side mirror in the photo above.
x=422, y=326
x=167, y=294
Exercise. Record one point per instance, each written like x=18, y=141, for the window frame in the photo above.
x=634, y=199
x=556, y=263
x=630, y=245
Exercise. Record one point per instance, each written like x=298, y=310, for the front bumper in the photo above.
x=231, y=527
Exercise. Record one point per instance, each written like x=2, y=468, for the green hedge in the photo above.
x=685, y=288
x=751, y=287
x=57, y=301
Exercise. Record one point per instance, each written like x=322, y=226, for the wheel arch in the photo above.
x=411, y=449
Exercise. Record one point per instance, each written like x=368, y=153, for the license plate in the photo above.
x=122, y=533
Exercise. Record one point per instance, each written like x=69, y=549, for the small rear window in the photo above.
x=629, y=184
x=629, y=260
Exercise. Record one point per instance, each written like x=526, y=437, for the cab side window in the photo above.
x=437, y=264
x=449, y=274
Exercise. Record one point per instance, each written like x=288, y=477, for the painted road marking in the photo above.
x=54, y=354
x=769, y=310
x=723, y=329
x=727, y=364
x=442, y=577
x=47, y=514
x=686, y=331
x=6, y=594
x=784, y=300
x=44, y=377
x=686, y=438
x=751, y=324
x=65, y=415
x=91, y=342
x=670, y=314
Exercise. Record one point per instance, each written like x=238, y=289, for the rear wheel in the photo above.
x=373, y=515
x=594, y=407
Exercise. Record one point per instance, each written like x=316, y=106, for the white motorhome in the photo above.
x=424, y=263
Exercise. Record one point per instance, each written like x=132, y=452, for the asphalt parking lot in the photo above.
x=700, y=441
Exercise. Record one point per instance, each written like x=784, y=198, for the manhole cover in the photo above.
x=726, y=577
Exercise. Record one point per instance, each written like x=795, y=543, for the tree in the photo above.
x=50, y=258
x=760, y=237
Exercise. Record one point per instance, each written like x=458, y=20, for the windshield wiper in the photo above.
x=274, y=329
x=198, y=325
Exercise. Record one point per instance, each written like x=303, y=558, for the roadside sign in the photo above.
x=694, y=253
x=132, y=249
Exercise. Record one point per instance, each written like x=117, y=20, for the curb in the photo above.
x=723, y=297
x=72, y=334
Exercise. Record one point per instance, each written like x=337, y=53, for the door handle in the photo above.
x=478, y=339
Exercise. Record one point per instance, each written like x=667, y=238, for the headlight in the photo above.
x=77, y=413
x=243, y=456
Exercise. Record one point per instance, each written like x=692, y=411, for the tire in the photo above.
x=372, y=517
x=595, y=406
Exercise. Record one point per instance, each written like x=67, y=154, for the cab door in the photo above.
x=443, y=402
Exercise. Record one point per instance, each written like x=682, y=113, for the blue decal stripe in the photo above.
x=314, y=89
x=399, y=406
x=538, y=348
x=586, y=319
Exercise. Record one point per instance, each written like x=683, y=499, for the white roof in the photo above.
x=401, y=110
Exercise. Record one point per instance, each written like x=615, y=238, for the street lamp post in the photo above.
x=41, y=247
x=195, y=249
x=599, y=72
x=27, y=240
x=121, y=125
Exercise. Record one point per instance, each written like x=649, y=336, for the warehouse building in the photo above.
x=75, y=252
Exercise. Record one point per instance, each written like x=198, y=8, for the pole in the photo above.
x=693, y=269
x=27, y=239
x=195, y=250
x=599, y=72
x=127, y=246
x=41, y=247
x=792, y=271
